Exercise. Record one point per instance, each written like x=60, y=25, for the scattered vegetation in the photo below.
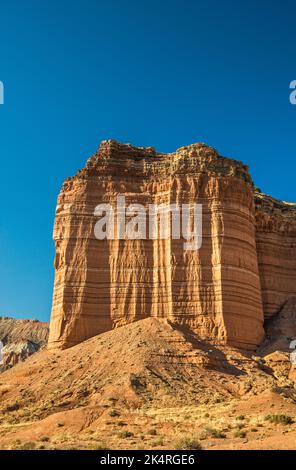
x=215, y=433
x=13, y=407
x=125, y=434
x=113, y=399
x=240, y=417
x=18, y=445
x=240, y=426
x=188, y=443
x=152, y=432
x=100, y=446
x=158, y=442
x=279, y=419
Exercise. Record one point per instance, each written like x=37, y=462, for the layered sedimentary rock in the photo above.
x=280, y=329
x=101, y=284
x=19, y=339
x=276, y=248
x=13, y=353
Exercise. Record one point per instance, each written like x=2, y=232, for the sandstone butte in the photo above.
x=244, y=273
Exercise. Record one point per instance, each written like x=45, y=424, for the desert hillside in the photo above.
x=148, y=385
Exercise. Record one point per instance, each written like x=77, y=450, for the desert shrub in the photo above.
x=12, y=407
x=240, y=426
x=114, y=413
x=279, y=419
x=240, y=417
x=27, y=446
x=152, y=432
x=17, y=442
x=125, y=434
x=112, y=399
x=241, y=434
x=100, y=446
x=140, y=447
x=44, y=439
x=216, y=433
x=158, y=442
x=188, y=443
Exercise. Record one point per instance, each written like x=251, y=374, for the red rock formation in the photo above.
x=276, y=248
x=101, y=284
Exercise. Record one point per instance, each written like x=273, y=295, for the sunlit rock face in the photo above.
x=102, y=284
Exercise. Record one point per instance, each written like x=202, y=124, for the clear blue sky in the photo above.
x=161, y=73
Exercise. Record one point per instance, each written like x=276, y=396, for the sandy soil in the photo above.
x=148, y=385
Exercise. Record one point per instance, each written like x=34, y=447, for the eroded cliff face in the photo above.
x=276, y=248
x=101, y=284
x=20, y=339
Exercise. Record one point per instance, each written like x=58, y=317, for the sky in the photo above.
x=152, y=73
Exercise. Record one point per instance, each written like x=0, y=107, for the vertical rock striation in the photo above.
x=101, y=284
x=276, y=248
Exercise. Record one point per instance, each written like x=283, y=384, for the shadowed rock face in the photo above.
x=101, y=284
x=276, y=248
x=19, y=339
x=280, y=330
